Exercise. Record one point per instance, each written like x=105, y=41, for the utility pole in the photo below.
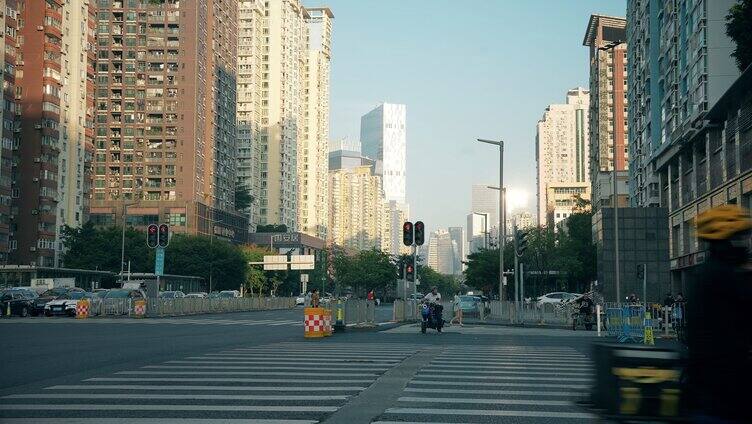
x=502, y=214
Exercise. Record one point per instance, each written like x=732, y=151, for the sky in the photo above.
x=465, y=70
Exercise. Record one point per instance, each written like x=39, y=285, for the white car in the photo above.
x=300, y=300
x=556, y=297
x=229, y=294
x=199, y=295
x=67, y=306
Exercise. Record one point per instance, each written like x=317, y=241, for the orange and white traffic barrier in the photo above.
x=139, y=308
x=82, y=309
x=314, y=323
x=327, y=322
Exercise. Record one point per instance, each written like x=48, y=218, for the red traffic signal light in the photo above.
x=410, y=273
x=407, y=233
x=420, y=233
x=152, y=236
x=164, y=235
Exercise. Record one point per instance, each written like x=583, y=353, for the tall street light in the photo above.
x=485, y=225
x=611, y=46
x=502, y=214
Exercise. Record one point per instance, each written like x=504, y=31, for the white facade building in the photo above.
x=485, y=200
x=384, y=139
x=562, y=145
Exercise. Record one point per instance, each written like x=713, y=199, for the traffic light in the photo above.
x=152, y=236
x=407, y=233
x=420, y=233
x=164, y=235
x=410, y=272
x=521, y=237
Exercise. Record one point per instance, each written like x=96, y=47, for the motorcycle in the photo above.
x=432, y=317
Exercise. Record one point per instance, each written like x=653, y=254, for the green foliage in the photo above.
x=90, y=248
x=576, y=254
x=243, y=198
x=739, y=29
x=216, y=260
x=482, y=270
x=271, y=228
x=255, y=279
x=366, y=270
x=445, y=284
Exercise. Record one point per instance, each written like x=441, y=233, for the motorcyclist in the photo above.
x=719, y=364
x=433, y=300
x=433, y=297
x=586, y=305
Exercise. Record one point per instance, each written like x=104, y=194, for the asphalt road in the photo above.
x=257, y=368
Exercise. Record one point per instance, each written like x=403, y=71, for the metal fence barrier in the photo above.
x=359, y=312
x=193, y=306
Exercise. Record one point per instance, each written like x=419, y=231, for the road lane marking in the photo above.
x=316, y=367
x=284, y=362
x=505, y=377
x=148, y=407
x=495, y=413
x=498, y=384
x=171, y=397
x=451, y=373
x=280, y=374
x=537, y=402
x=206, y=388
x=505, y=367
x=493, y=392
x=226, y=379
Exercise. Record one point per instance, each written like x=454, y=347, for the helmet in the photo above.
x=722, y=222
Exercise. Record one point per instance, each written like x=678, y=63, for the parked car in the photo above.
x=469, y=304
x=213, y=295
x=229, y=294
x=28, y=290
x=556, y=297
x=172, y=295
x=124, y=294
x=416, y=296
x=21, y=302
x=66, y=305
x=197, y=295
x=50, y=295
x=300, y=300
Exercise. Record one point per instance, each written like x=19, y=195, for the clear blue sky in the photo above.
x=465, y=69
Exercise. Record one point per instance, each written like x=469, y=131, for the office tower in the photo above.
x=357, y=218
x=8, y=191
x=53, y=92
x=313, y=164
x=457, y=234
x=606, y=38
x=562, y=146
x=384, y=139
x=165, y=116
x=679, y=66
x=484, y=200
x=345, y=154
x=477, y=231
x=432, y=260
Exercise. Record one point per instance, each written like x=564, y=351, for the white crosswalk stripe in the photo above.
x=284, y=383
x=469, y=384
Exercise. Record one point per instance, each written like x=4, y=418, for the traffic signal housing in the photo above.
x=164, y=235
x=152, y=236
x=410, y=273
x=407, y=233
x=420, y=233
x=521, y=239
x=401, y=271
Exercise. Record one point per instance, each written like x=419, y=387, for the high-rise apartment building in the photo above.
x=562, y=200
x=283, y=112
x=441, y=252
x=358, y=217
x=679, y=65
x=485, y=200
x=313, y=164
x=10, y=139
x=562, y=146
x=384, y=139
x=523, y=220
x=53, y=91
x=165, y=116
x=606, y=38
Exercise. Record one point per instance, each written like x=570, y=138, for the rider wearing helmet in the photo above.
x=719, y=364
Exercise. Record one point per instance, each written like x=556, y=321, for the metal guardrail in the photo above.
x=358, y=311
x=193, y=306
x=531, y=313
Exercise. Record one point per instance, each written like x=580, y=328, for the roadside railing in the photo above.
x=358, y=312
x=190, y=306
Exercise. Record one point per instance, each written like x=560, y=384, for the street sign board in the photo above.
x=159, y=261
x=275, y=263
x=302, y=261
x=303, y=278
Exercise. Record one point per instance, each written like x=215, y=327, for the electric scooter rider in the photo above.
x=433, y=300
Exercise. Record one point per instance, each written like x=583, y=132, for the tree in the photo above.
x=255, y=279
x=364, y=270
x=445, y=284
x=243, y=198
x=739, y=29
x=482, y=270
x=215, y=260
x=540, y=257
x=88, y=247
x=576, y=255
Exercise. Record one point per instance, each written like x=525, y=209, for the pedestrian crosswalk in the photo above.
x=161, y=321
x=496, y=384
x=283, y=383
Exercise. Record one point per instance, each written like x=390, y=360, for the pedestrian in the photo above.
x=719, y=364
x=457, y=310
x=668, y=301
x=370, y=295
x=315, y=300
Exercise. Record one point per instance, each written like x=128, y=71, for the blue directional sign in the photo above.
x=159, y=262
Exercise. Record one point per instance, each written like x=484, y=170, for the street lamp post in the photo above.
x=122, y=241
x=615, y=205
x=502, y=215
x=485, y=228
